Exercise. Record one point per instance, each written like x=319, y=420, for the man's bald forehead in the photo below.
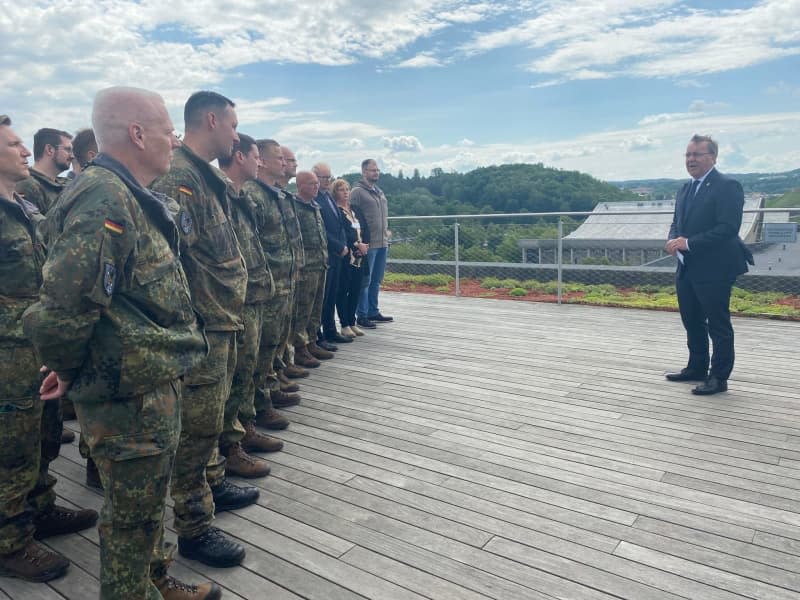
x=115, y=108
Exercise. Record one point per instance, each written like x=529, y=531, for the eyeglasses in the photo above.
x=67, y=149
x=324, y=177
x=696, y=154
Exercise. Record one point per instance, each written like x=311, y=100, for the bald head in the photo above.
x=116, y=108
x=307, y=185
x=133, y=126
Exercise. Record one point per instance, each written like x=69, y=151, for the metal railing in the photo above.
x=561, y=251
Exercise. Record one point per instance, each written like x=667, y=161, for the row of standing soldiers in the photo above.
x=157, y=295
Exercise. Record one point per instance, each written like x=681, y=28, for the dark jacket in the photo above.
x=710, y=221
x=333, y=225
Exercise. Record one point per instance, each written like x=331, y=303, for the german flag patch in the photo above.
x=114, y=227
x=183, y=189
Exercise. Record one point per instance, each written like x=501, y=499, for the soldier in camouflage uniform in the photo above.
x=218, y=282
x=311, y=285
x=277, y=227
x=116, y=325
x=52, y=154
x=29, y=428
x=239, y=435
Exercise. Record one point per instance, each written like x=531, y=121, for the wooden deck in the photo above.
x=481, y=449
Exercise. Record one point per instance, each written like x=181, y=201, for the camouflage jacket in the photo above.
x=21, y=260
x=115, y=316
x=312, y=229
x=275, y=234
x=260, y=286
x=286, y=205
x=40, y=190
x=209, y=248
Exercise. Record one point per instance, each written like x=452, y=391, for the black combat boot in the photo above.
x=230, y=497
x=212, y=548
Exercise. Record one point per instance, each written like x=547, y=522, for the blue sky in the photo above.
x=611, y=88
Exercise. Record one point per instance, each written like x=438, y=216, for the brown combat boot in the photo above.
x=303, y=358
x=318, y=352
x=35, y=562
x=62, y=520
x=294, y=372
x=282, y=399
x=287, y=385
x=172, y=589
x=271, y=419
x=258, y=442
x=238, y=462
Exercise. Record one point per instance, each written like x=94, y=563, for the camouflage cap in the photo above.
x=5, y=120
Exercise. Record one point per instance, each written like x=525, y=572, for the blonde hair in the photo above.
x=337, y=185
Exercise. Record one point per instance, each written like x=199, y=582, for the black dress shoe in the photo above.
x=212, y=548
x=365, y=322
x=326, y=345
x=712, y=385
x=379, y=318
x=687, y=375
x=338, y=338
x=230, y=497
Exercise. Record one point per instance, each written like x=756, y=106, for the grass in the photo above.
x=654, y=297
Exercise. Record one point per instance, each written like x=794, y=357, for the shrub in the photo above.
x=517, y=291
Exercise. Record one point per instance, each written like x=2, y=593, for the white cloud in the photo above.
x=329, y=130
x=420, y=61
x=653, y=38
x=704, y=106
x=784, y=89
x=466, y=142
x=354, y=143
x=402, y=143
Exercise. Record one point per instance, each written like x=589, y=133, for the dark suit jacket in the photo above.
x=710, y=221
x=333, y=226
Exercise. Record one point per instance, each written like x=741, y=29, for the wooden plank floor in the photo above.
x=481, y=449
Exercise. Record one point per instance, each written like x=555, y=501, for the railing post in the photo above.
x=560, y=254
x=458, y=265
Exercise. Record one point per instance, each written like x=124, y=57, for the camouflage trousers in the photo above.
x=133, y=442
x=240, y=408
x=307, y=314
x=198, y=464
x=274, y=331
x=30, y=439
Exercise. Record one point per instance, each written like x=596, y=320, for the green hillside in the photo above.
x=499, y=189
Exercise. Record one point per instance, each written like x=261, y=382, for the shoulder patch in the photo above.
x=109, y=278
x=185, y=222
x=114, y=227
x=185, y=189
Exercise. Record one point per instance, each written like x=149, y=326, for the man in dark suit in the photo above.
x=704, y=237
x=337, y=251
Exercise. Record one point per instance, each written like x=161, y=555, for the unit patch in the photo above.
x=186, y=222
x=109, y=278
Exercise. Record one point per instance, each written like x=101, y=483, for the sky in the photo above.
x=612, y=88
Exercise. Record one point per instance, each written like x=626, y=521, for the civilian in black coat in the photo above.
x=704, y=237
x=338, y=252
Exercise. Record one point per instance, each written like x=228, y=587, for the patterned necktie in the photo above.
x=693, y=191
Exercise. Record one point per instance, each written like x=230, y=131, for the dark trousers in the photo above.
x=329, y=300
x=705, y=312
x=350, y=285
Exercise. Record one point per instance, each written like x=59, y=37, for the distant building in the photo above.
x=624, y=233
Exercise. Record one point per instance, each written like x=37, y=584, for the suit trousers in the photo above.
x=705, y=312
